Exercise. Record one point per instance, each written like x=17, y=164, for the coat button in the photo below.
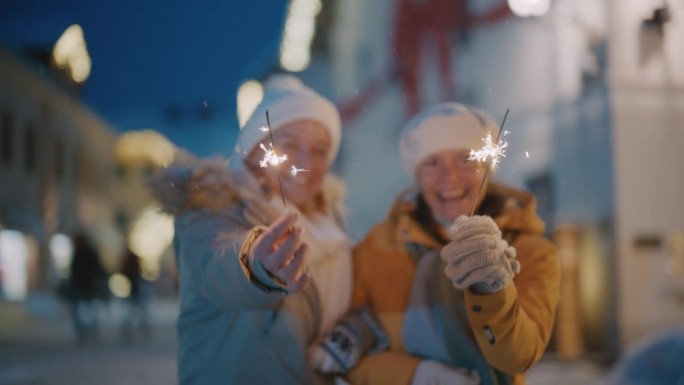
x=477, y=308
x=489, y=334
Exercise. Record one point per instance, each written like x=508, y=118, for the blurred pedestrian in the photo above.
x=464, y=299
x=88, y=287
x=137, y=314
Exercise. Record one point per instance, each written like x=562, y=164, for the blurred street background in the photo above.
x=38, y=347
x=96, y=97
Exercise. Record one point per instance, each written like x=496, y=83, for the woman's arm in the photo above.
x=513, y=326
x=213, y=254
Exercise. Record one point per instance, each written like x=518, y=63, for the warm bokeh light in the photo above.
x=14, y=254
x=70, y=52
x=119, y=285
x=249, y=96
x=300, y=27
x=144, y=146
x=528, y=8
x=62, y=251
x=150, y=236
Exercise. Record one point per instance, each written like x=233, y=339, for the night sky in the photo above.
x=174, y=66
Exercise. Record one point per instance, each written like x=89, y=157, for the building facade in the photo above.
x=56, y=169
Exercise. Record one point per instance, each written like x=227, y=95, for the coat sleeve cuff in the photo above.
x=487, y=312
x=254, y=269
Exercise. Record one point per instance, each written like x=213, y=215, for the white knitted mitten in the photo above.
x=355, y=335
x=430, y=372
x=477, y=257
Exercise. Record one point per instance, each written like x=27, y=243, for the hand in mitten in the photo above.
x=477, y=257
x=435, y=373
x=337, y=353
x=355, y=335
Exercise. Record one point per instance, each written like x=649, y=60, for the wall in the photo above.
x=648, y=103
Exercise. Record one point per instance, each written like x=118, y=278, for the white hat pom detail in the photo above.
x=283, y=82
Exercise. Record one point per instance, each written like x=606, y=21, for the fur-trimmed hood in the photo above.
x=215, y=184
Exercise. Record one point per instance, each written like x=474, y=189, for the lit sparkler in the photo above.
x=491, y=153
x=272, y=158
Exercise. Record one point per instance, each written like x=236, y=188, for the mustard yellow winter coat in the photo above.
x=509, y=329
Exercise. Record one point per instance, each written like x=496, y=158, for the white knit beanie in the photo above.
x=445, y=126
x=287, y=99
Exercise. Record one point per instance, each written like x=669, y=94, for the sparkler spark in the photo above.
x=294, y=170
x=270, y=156
x=273, y=159
x=490, y=151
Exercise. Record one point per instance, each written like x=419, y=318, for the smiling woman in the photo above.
x=262, y=283
x=473, y=316
x=306, y=144
x=449, y=182
x=435, y=147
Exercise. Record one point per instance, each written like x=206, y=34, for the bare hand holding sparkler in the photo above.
x=280, y=250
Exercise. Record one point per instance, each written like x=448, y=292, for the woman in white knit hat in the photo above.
x=261, y=283
x=457, y=305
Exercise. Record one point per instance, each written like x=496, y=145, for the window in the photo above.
x=59, y=158
x=76, y=167
x=30, y=149
x=542, y=187
x=148, y=171
x=7, y=139
x=121, y=172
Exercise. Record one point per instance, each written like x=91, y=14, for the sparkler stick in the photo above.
x=280, y=183
x=491, y=152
